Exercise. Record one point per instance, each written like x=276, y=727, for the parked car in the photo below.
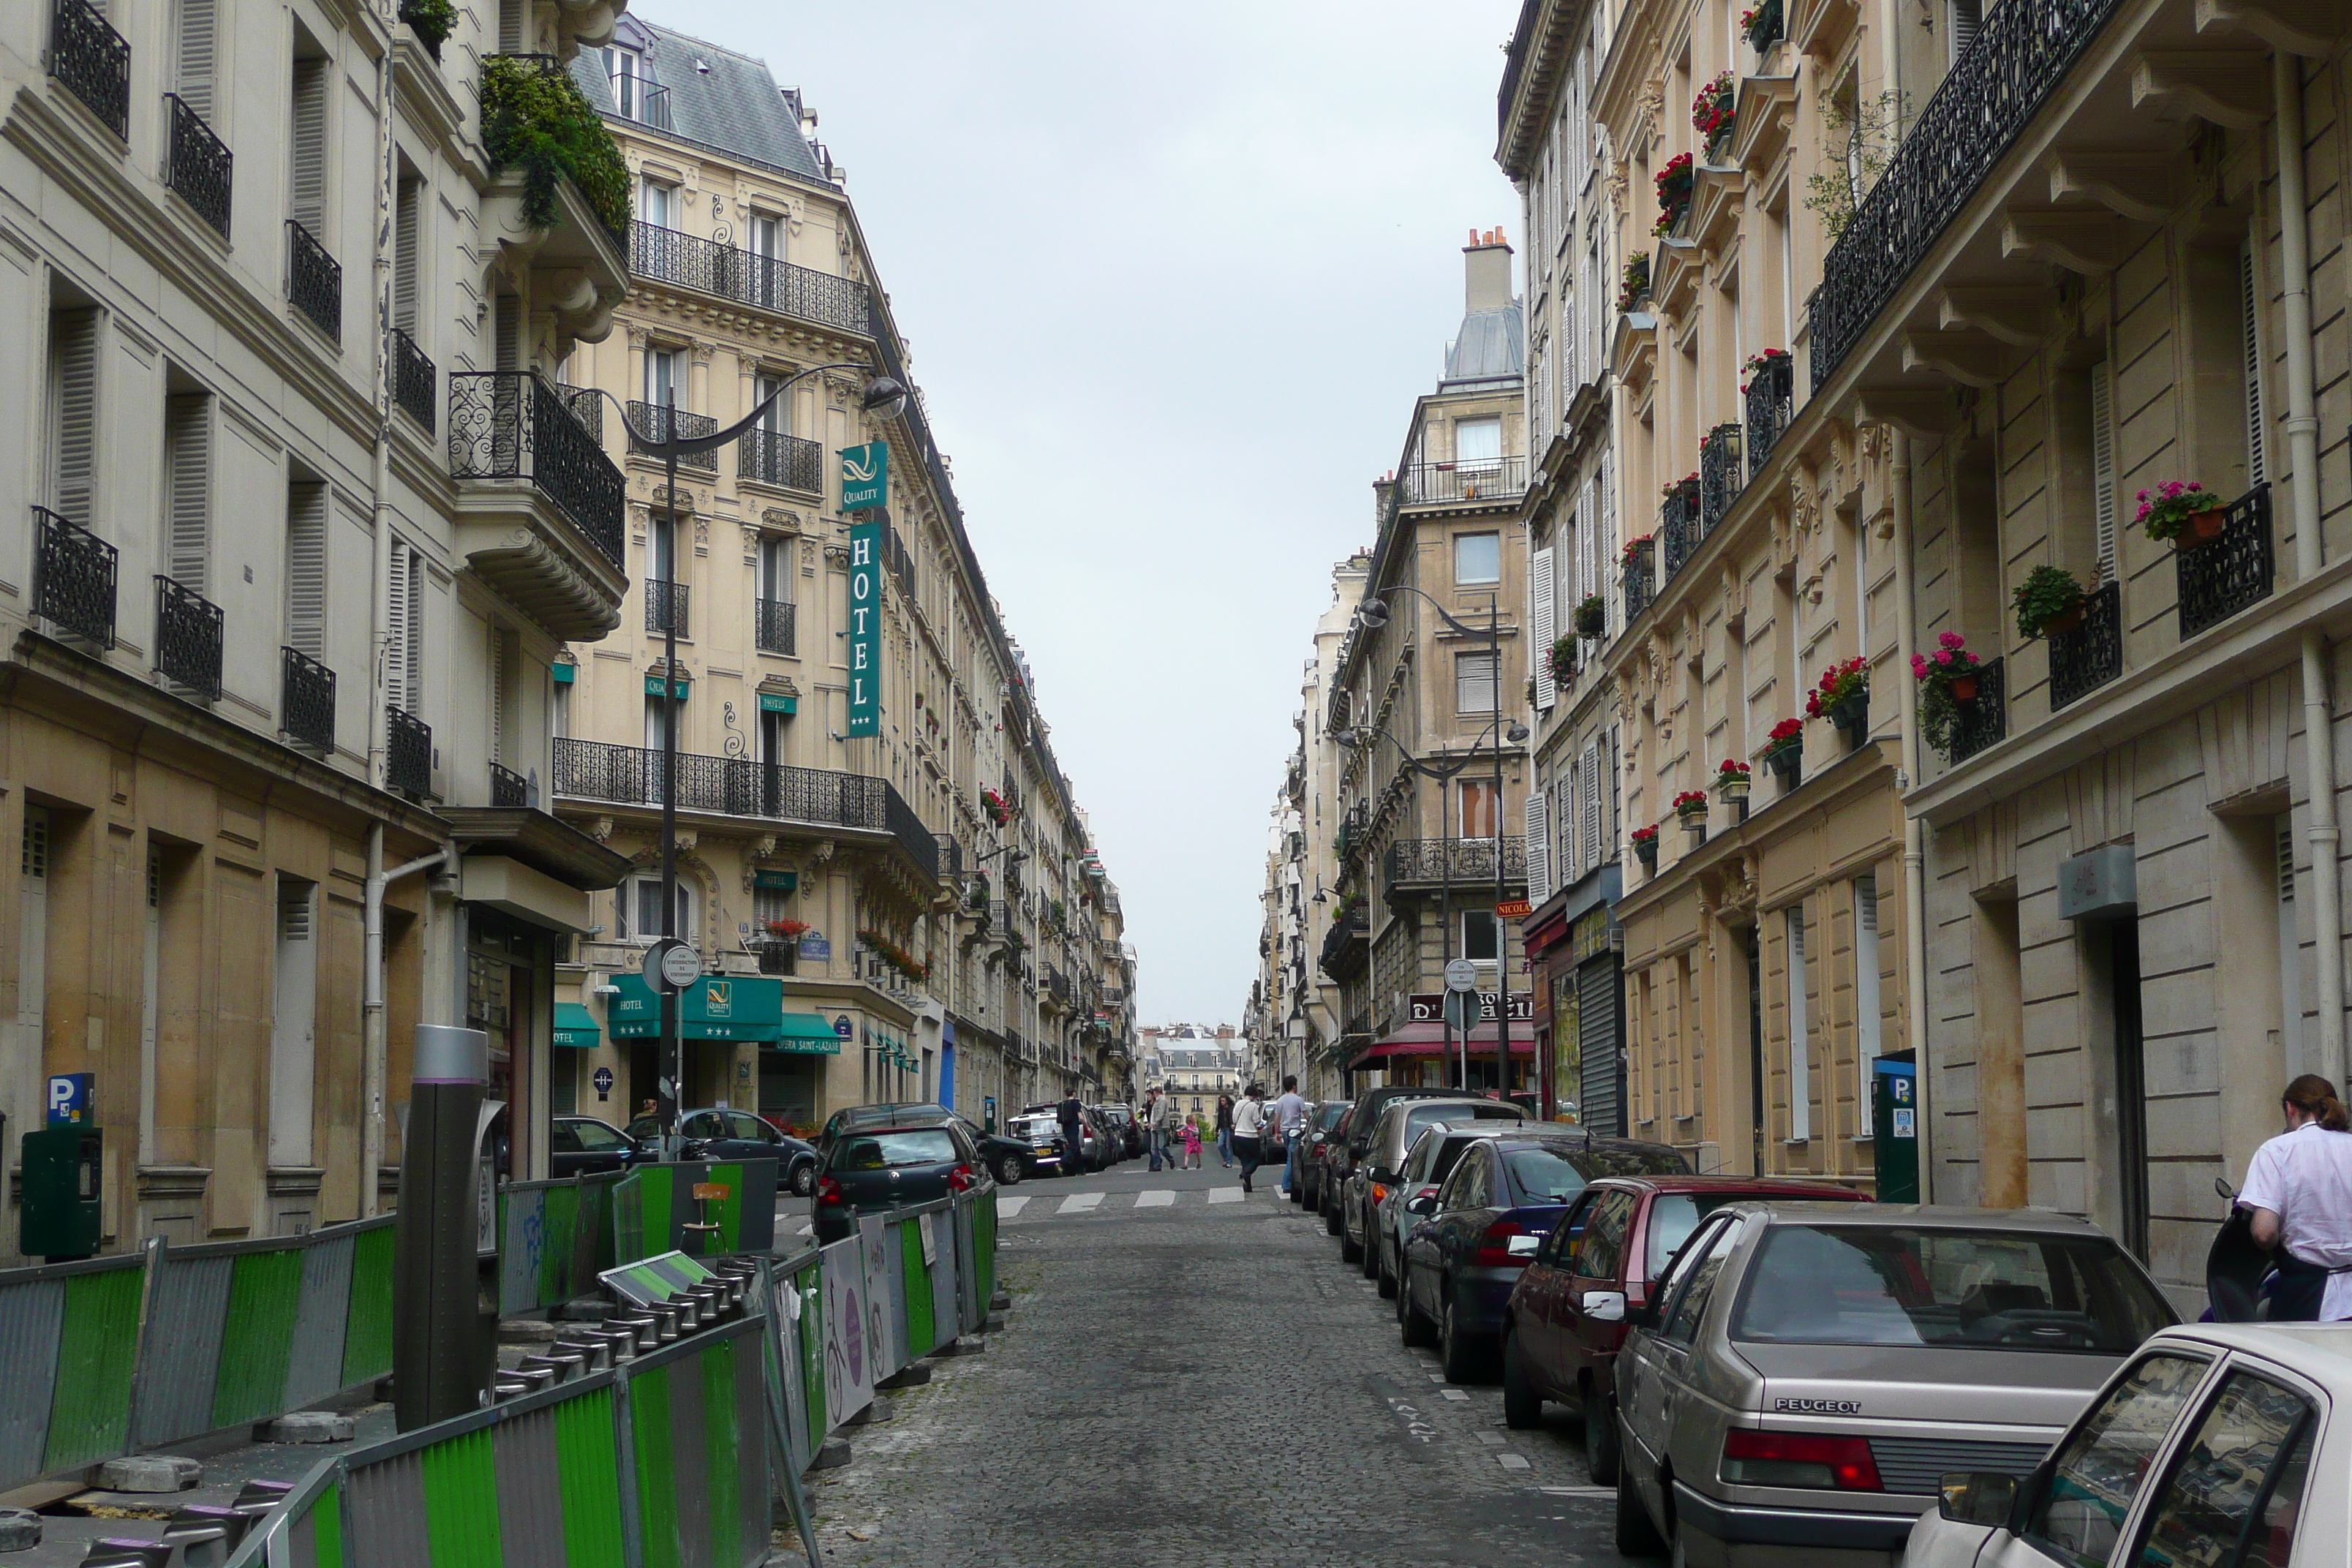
x=1376, y=1169
x=1121, y=1119
x=1568, y=1313
x=902, y=1113
x=1484, y=1225
x=1805, y=1375
x=1427, y=1163
x=2215, y=1444
x=1007, y=1159
x=1348, y=1148
x=715, y=1135
x=1322, y=1121
x=1092, y=1154
x=876, y=1168
x=1042, y=1136
x=1330, y=1168
x=584, y=1146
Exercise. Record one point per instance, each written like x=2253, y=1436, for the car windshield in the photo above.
x=1542, y=1176
x=1672, y=1219
x=1327, y=1117
x=882, y=1151
x=1420, y=1118
x=1871, y=1286
x=1035, y=1127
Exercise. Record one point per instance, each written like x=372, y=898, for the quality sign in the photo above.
x=865, y=476
x=865, y=627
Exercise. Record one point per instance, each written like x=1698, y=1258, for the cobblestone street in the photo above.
x=1198, y=1382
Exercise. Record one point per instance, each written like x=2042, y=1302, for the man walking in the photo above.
x=1163, y=1130
x=1073, y=1143
x=1289, y=1115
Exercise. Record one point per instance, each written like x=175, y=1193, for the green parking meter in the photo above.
x=64, y=1170
x=1894, y=1128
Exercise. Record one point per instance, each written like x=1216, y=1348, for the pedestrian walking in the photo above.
x=1072, y=1142
x=1225, y=1129
x=1191, y=1143
x=1289, y=1115
x=1249, y=1133
x=2299, y=1186
x=1164, y=1134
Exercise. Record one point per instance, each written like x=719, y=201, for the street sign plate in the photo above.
x=603, y=1081
x=1515, y=909
x=1461, y=975
x=680, y=965
x=865, y=476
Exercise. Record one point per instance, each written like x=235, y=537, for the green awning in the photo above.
x=576, y=1026
x=715, y=1007
x=808, y=1034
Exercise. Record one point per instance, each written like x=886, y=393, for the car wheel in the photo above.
x=1297, y=1195
x=804, y=1179
x=1330, y=1215
x=1414, y=1328
x=1372, y=1249
x=1008, y=1170
x=1455, y=1357
x=1350, y=1250
x=1600, y=1442
x=1637, y=1536
x=1388, y=1280
x=1400, y=1297
x=1522, y=1405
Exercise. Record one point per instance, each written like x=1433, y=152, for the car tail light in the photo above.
x=1507, y=1244
x=961, y=1179
x=1380, y=1194
x=1799, y=1459
x=828, y=1192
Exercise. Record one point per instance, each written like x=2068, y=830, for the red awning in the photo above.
x=1540, y=937
x=1429, y=1040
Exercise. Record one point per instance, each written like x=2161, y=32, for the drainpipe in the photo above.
x=2303, y=449
x=1914, y=832
x=371, y=1015
x=372, y=1012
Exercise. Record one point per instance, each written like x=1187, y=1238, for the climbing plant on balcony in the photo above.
x=1947, y=684
x=1563, y=660
x=432, y=20
x=1592, y=616
x=536, y=119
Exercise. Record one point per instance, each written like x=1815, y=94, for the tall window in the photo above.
x=661, y=549
x=1965, y=17
x=768, y=237
x=1481, y=809
x=187, y=488
x=2103, y=467
x=195, y=27
x=2250, y=335
x=655, y=203
x=1801, y=1068
x=1865, y=977
x=2290, y=947
x=1473, y=683
x=641, y=910
x=1477, y=441
x=776, y=569
x=307, y=163
x=406, y=656
x=776, y=418
x=306, y=568
x=406, y=215
x=73, y=412
x=626, y=69
x=661, y=375
x=293, y=1034
x=1477, y=558
x=1481, y=933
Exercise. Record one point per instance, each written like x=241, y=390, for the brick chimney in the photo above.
x=1486, y=265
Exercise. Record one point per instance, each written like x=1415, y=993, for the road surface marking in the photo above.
x=1580, y=1491
x=1079, y=1203
x=1007, y=1207
x=1155, y=1199
x=1492, y=1439
x=1457, y=1393
x=1224, y=1194
x=1512, y=1461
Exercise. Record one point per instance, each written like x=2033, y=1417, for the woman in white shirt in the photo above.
x=2299, y=1186
x=1249, y=1132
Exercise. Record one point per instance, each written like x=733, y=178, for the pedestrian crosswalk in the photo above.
x=1031, y=1207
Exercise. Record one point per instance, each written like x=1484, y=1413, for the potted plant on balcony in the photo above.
x=1674, y=185
x=1635, y=556
x=1691, y=807
x=781, y=952
x=2187, y=514
x=2049, y=603
x=1645, y=845
x=1731, y=779
x=1761, y=25
x=999, y=809
x=1713, y=112
x=1784, y=749
x=1768, y=360
x=1633, y=283
x=431, y=21
x=1592, y=618
x=1947, y=688
x=1563, y=660
x=1843, y=695
x=535, y=119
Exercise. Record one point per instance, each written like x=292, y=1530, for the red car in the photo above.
x=1568, y=1313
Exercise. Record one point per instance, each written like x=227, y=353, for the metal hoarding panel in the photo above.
x=97, y=1350
x=972, y=1312
x=264, y=1294
x=588, y=1464
x=706, y=1487
x=916, y=1284
x=187, y=1310
x=30, y=1314
x=805, y=1344
x=551, y=1281
x=530, y=1490
x=314, y=1538
x=523, y=1229
x=654, y=1466
x=945, y=1294
x=314, y=1371
x=755, y=1484
x=848, y=1373
x=367, y=1329
x=885, y=1350
x=387, y=1514
x=461, y=1500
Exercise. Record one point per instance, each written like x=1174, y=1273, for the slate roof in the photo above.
x=717, y=97
x=1490, y=345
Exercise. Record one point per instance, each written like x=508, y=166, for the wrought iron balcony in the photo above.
x=1467, y=863
x=306, y=705
x=507, y=787
x=92, y=62
x=1985, y=721
x=200, y=163
x=511, y=424
x=408, y=755
x=665, y=256
x=776, y=629
x=412, y=378
x=1344, y=952
x=1678, y=532
x=1993, y=92
x=1476, y=479
x=654, y=418
x=314, y=281
x=73, y=578
x=1720, y=476
x=1352, y=828
x=666, y=607
x=188, y=640
x=1638, y=592
x=1771, y=404
x=2219, y=579
x=2087, y=658
x=773, y=458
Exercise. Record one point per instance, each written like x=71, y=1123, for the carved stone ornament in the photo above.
x=601, y=829
x=781, y=520
x=640, y=338
x=673, y=501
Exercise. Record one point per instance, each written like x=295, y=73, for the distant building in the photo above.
x=1196, y=1063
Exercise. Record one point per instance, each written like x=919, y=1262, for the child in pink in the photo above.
x=1191, y=1143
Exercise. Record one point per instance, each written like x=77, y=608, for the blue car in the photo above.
x=1481, y=1229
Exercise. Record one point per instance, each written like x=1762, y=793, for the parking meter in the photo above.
x=444, y=1333
x=64, y=1173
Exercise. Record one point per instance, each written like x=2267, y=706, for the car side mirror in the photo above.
x=1424, y=1204
x=1382, y=1173
x=1605, y=1306
x=1976, y=1497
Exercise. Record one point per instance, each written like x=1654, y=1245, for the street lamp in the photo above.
x=885, y=399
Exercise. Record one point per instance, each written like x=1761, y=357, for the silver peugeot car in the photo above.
x=1805, y=1375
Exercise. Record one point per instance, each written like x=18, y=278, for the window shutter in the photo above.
x=2250, y=335
x=293, y=910
x=2102, y=466
x=405, y=256
x=498, y=654
x=403, y=674
x=1966, y=14
x=309, y=197
x=187, y=447
x=306, y=570
x=1539, y=620
x=1539, y=850
x=76, y=356
x=194, y=77
x=1589, y=828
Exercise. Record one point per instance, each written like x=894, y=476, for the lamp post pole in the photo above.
x=1502, y=938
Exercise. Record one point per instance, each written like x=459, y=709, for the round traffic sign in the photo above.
x=680, y=965
x=1461, y=975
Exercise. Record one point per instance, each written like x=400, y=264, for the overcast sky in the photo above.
x=1171, y=278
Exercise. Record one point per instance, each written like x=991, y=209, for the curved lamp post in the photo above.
x=884, y=398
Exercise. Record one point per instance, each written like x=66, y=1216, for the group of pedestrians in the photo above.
x=1250, y=1132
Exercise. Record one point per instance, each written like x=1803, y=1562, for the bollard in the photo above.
x=443, y=1350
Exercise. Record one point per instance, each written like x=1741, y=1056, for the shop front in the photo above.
x=723, y=1020
x=1419, y=1056
x=571, y=1082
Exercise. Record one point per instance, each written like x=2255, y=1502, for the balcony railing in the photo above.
x=73, y=578
x=412, y=376
x=1638, y=592
x=188, y=640
x=776, y=626
x=1678, y=532
x=408, y=755
x=507, y=787
x=641, y=100
x=1720, y=476
x=1991, y=93
x=1482, y=478
x=306, y=706
x=2083, y=661
x=666, y=609
x=314, y=281
x=665, y=256
x=1771, y=404
x=1466, y=862
x=200, y=163
x=1340, y=958
x=773, y=458
x=2234, y=570
x=1986, y=721
x=654, y=418
x=92, y=62
x=511, y=425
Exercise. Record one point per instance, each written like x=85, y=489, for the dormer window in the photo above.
x=635, y=95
